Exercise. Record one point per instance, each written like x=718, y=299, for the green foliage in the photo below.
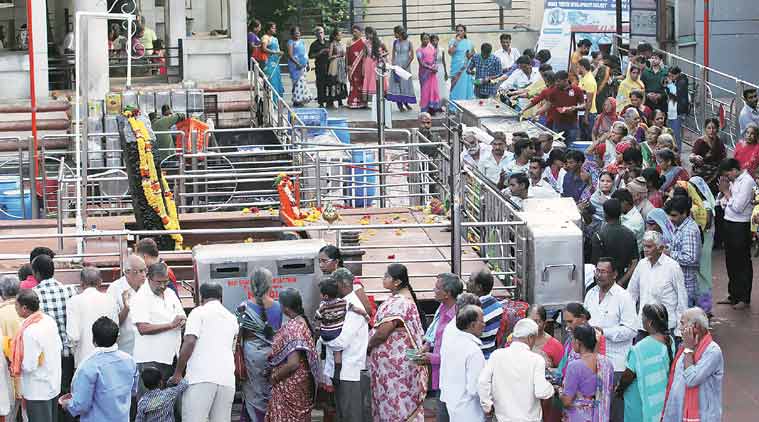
x=304, y=13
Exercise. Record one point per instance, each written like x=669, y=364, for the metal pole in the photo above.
x=457, y=199
x=59, y=204
x=32, y=87
x=453, y=14
x=618, y=40
x=21, y=177
x=195, y=187
x=702, y=95
x=404, y=13
x=33, y=178
x=318, y=180
x=707, y=34
x=380, y=104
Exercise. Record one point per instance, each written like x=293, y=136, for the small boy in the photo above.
x=331, y=313
x=157, y=404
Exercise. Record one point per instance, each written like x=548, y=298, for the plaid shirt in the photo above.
x=685, y=248
x=484, y=68
x=53, y=296
x=158, y=405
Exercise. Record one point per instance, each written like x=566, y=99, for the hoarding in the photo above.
x=592, y=19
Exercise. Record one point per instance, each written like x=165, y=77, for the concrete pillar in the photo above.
x=94, y=46
x=238, y=30
x=39, y=27
x=174, y=20
x=147, y=10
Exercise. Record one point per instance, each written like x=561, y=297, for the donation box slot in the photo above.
x=229, y=270
x=295, y=266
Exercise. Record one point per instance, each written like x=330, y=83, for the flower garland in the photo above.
x=164, y=206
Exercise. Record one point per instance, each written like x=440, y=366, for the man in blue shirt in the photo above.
x=105, y=381
x=485, y=67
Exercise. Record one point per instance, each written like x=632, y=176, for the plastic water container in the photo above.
x=311, y=117
x=343, y=135
x=364, y=178
x=10, y=204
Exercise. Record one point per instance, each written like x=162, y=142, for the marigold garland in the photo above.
x=164, y=206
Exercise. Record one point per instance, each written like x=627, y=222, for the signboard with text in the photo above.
x=592, y=19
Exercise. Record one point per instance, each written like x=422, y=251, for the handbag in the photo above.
x=241, y=372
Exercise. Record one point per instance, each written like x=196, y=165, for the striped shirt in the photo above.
x=158, y=405
x=492, y=309
x=685, y=248
x=53, y=296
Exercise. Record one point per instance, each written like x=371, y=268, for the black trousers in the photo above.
x=740, y=271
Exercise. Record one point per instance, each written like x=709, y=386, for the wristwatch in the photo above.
x=687, y=350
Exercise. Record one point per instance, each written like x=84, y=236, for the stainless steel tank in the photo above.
x=293, y=263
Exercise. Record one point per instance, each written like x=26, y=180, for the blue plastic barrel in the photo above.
x=10, y=205
x=364, y=178
x=343, y=135
x=311, y=117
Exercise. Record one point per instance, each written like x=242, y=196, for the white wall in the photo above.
x=14, y=66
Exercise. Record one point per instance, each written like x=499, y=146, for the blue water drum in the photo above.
x=364, y=178
x=343, y=135
x=10, y=200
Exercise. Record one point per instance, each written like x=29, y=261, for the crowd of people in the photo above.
x=130, y=352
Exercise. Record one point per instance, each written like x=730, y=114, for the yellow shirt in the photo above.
x=10, y=322
x=623, y=93
x=533, y=90
x=588, y=84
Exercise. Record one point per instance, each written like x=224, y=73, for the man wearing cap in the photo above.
x=520, y=375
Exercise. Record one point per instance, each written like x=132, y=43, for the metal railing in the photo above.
x=168, y=66
x=712, y=94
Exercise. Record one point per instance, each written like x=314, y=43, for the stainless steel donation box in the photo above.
x=555, y=273
x=293, y=263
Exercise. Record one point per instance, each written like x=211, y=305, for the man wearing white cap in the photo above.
x=521, y=378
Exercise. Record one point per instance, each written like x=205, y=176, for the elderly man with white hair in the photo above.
x=472, y=148
x=513, y=381
x=123, y=292
x=658, y=279
x=694, y=392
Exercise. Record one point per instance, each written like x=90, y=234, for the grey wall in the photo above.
x=734, y=27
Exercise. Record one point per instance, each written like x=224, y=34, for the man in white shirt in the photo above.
x=461, y=362
x=613, y=311
x=539, y=188
x=352, y=342
x=514, y=380
x=521, y=78
x=736, y=188
x=749, y=112
x=494, y=165
x=123, y=291
x=159, y=317
x=208, y=355
x=473, y=150
x=658, y=279
x=40, y=364
x=84, y=309
x=507, y=55
x=518, y=191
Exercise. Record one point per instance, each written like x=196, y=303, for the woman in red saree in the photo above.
x=399, y=385
x=294, y=363
x=355, y=60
